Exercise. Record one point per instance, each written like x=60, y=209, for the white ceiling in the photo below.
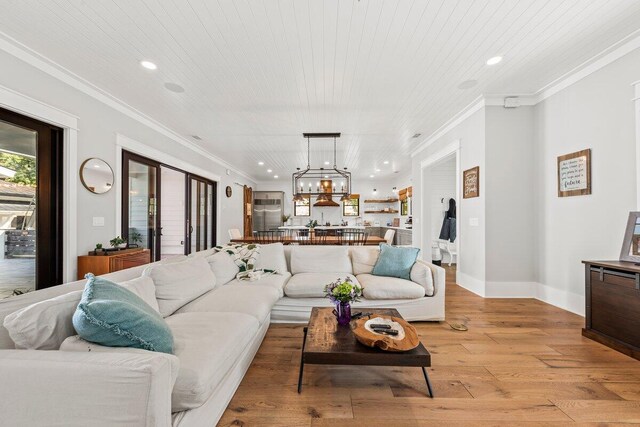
x=258, y=73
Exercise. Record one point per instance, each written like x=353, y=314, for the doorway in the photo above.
x=440, y=206
x=166, y=210
x=30, y=204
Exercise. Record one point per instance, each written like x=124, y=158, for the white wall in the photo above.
x=511, y=238
x=98, y=126
x=598, y=113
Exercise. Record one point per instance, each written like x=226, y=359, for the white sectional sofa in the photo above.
x=63, y=380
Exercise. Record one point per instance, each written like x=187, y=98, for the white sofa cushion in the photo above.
x=423, y=276
x=271, y=257
x=256, y=301
x=180, y=283
x=276, y=281
x=203, y=254
x=309, y=285
x=364, y=258
x=76, y=343
x=320, y=259
x=223, y=267
x=208, y=345
x=381, y=287
x=45, y=324
x=144, y=287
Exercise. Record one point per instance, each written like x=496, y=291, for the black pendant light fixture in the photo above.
x=323, y=183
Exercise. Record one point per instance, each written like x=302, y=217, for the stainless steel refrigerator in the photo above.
x=267, y=210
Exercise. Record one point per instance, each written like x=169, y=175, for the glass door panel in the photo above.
x=142, y=206
x=172, y=212
x=201, y=218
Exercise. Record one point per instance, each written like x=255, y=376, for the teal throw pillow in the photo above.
x=113, y=316
x=394, y=261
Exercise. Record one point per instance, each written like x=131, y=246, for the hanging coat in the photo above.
x=448, y=230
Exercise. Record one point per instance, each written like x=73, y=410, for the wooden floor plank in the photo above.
x=522, y=362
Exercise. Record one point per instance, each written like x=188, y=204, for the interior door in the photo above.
x=30, y=204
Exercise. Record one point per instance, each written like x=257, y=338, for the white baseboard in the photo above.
x=569, y=301
x=510, y=289
x=472, y=284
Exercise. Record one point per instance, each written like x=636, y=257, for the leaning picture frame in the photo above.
x=631, y=245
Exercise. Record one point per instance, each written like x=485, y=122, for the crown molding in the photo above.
x=460, y=117
x=597, y=62
x=44, y=64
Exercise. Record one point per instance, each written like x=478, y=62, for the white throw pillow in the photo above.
x=144, y=288
x=180, y=283
x=364, y=258
x=173, y=259
x=320, y=259
x=422, y=275
x=271, y=257
x=45, y=324
x=223, y=267
x=205, y=253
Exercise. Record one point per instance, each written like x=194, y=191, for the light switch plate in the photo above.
x=474, y=222
x=98, y=221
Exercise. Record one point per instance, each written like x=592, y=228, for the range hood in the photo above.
x=325, y=200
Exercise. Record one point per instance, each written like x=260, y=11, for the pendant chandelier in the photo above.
x=324, y=183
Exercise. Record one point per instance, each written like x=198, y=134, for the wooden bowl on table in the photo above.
x=405, y=341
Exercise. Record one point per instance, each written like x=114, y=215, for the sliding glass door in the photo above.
x=201, y=214
x=166, y=210
x=30, y=204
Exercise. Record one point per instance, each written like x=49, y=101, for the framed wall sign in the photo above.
x=471, y=183
x=574, y=174
x=631, y=244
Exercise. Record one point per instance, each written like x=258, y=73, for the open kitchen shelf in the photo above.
x=381, y=212
x=382, y=201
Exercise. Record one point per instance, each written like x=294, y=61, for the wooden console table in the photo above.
x=613, y=305
x=115, y=261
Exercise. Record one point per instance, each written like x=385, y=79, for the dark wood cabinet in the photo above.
x=613, y=305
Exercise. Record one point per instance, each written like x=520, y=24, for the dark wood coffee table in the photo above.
x=327, y=343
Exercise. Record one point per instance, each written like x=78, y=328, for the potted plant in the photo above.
x=285, y=218
x=134, y=238
x=98, y=249
x=342, y=293
x=118, y=242
x=312, y=224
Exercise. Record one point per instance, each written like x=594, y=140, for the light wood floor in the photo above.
x=522, y=362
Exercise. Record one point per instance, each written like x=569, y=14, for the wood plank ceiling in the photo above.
x=258, y=73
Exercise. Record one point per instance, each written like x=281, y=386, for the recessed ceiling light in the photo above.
x=326, y=176
x=148, y=65
x=467, y=84
x=269, y=171
x=377, y=170
x=386, y=162
x=173, y=87
x=371, y=176
x=275, y=176
x=261, y=163
x=326, y=163
x=494, y=60
x=416, y=135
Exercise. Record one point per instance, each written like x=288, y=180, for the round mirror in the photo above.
x=96, y=175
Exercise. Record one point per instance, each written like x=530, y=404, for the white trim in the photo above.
x=637, y=113
x=27, y=106
x=472, y=284
x=569, y=301
x=449, y=149
x=597, y=62
x=510, y=289
x=129, y=144
x=454, y=121
x=35, y=59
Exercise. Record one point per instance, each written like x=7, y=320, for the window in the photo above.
x=351, y=207
x=302, y=208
